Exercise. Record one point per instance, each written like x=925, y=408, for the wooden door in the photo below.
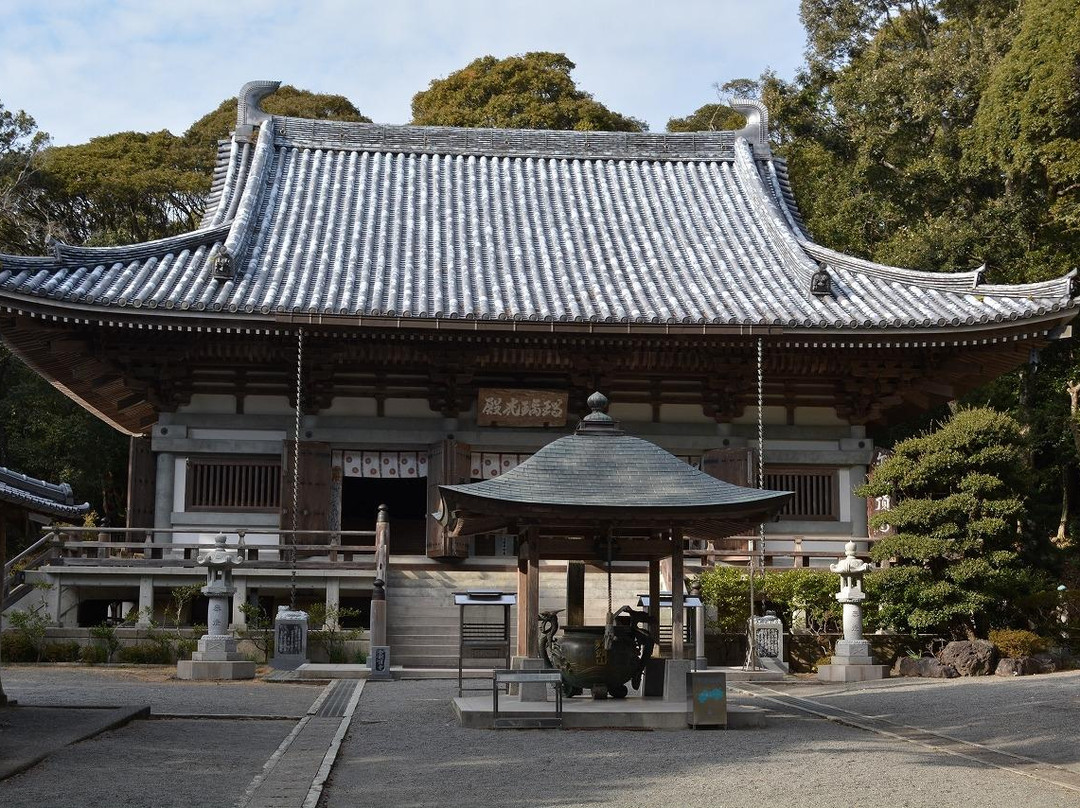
x=313, y=495
x=448, y=464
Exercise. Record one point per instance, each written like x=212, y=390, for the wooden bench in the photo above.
x=525, y=677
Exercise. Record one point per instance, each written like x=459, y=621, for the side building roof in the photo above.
x=39, y=496
x=325, y=220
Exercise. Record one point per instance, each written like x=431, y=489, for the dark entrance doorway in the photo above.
x=407, y=501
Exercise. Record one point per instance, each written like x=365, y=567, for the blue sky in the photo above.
x=84, y=68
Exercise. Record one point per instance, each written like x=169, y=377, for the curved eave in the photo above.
x=1045, y=325
x=466, y=512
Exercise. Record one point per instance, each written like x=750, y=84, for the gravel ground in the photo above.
x=172, y=763
x=1034, y=716
x=52, y=685
x=405, y=749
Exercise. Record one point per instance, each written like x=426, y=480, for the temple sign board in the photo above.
x=522, y=408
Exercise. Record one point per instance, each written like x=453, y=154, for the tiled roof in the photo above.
x=39, y=496
x=326, y=218
x=600, y=467
x=599, y=473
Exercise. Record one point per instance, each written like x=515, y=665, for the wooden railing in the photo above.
x=12, y=584
x=144, y=547
x=799, y=549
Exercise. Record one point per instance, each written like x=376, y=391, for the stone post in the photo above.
x=217, y=657
x=852, y=660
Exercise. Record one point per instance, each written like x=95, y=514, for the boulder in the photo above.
x=1018, y=666
x=970, y=657
x=907, y=666
x=934, y=669
x=1046, y=663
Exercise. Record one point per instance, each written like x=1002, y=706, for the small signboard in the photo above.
x=379, y=662
x=708, y=696
x=524, y=408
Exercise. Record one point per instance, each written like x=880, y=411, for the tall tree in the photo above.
x=21, y=144
x=708, y=118
x=532, y=91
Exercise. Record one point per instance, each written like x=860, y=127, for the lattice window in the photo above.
x=234, y=484
x=816, y=492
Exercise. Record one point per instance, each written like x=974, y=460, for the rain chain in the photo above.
x=296, y=466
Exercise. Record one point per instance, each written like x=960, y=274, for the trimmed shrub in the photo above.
x=61, y=652
x=1014, y=643
x=16, y=647
x=145, y=654
x=94, y=655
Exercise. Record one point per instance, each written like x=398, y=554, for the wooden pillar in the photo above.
x=522, y=596
x=654, y=603
x=678, y=610
x=528, y=595
x=575, y=593
x=532, y=646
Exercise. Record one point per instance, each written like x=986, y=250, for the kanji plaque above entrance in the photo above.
x=500, y=407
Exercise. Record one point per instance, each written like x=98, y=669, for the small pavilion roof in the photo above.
x=599, y=474
x=332, y=221
x=39, y=496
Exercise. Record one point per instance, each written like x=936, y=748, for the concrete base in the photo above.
x=534, y=691
x=475, y=712
x=852, y=673
x=675, y=671
x=209, y=670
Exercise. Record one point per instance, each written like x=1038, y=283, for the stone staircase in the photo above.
x=422, y=620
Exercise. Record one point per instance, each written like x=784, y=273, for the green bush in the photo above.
x=94, y=655
x=61, y=652
x=727, y=589
x=1017, y=642
x=16, y=647
x=105, y=634
x=148, y=653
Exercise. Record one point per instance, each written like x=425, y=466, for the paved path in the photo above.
x=967, y=742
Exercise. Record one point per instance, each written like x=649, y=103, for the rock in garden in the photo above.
x=1018, y=666
x=931, y=668
x=907, y=666
x=970, y=657
x=1046, y=663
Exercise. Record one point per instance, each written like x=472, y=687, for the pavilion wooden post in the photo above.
x=654, y=603
x=528, y=602
x=678, y=610
x=575, y=593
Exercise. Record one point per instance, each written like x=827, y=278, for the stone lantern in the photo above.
x=217, y=656
x=851, y=660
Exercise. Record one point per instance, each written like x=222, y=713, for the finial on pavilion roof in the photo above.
x=598, y=421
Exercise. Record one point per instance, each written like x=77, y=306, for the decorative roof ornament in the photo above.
x=598, y=420
x=821, y=281
x=248, y=112
x=1074, y=285
x=222, y=268
x=757, y=120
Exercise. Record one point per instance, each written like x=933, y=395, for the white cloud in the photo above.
x=90, y=68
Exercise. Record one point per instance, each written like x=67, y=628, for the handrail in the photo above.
x=44, y=541
x=195, y=529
